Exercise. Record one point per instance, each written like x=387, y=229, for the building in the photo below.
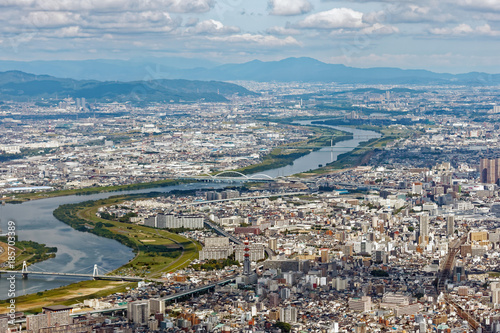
x=4, y=325
x=489, y=170
x=170, y=221
x=360, y=304
x=256, y=252
x=233, y=221
x=495, y=293
x=48, y=319
x=156, y=306
x=450, y=225
x=216, y=248
x=288, y=315
x=424, y=228
x=138, y=312
x=273, y=244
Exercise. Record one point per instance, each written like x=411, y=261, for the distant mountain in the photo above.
x=286, y=70
x=106, y=70
x=21, y=86
x=311, y=70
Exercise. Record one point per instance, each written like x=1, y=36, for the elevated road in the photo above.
x=168, y=298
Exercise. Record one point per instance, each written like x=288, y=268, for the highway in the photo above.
x=166, y=298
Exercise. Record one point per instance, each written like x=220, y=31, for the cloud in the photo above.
x=261, y=40
x=289, y=7
x=282, y=31
x=409, y=13
x=333, y=19
x=47, y=19
x=465, y=29
x=483, y=5
x=380, y=29
x=176, y=6
x=212, y=27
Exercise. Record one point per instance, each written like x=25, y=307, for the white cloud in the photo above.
x=333, y=19
x=380, y=29
x=290, y=7
x=465, y=29
x=212, y=27
x=48, y=19
x=261, y=40
x=282, y=31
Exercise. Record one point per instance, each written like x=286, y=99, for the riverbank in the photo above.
x=19, y=198
x=285, y=155
x=29, y=251
x=362, y=154
x=67, y=295
x=157, y=251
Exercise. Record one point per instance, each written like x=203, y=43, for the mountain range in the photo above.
x=286, y=70
x=18, y=85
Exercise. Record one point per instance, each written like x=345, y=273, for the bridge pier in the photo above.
x=25, y=276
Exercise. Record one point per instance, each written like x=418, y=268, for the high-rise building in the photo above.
x=273, y=244
x=138, y=312
x=324, y=255
x=246, y=262
x=450, y=225
x=495, y=292
x=288, y=314
x=424, y=228
x=156, y=306
x=489, y=170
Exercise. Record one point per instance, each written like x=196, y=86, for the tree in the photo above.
x=285, y=327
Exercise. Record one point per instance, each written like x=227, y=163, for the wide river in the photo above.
x=79, y=251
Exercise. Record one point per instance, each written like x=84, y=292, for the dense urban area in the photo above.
x=398, y=234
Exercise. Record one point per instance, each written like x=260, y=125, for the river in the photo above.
x=324, y=155
x=79, y=251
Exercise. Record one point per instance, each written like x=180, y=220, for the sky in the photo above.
x=454, y=36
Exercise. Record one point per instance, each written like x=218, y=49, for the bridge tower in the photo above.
x=96, y=272
x=24, y=271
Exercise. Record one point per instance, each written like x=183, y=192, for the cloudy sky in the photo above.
x=441, y=35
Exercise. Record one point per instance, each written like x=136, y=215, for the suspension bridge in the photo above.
x=96, y=274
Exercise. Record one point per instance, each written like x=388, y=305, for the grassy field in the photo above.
x=157, y=250
x=67, y=295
